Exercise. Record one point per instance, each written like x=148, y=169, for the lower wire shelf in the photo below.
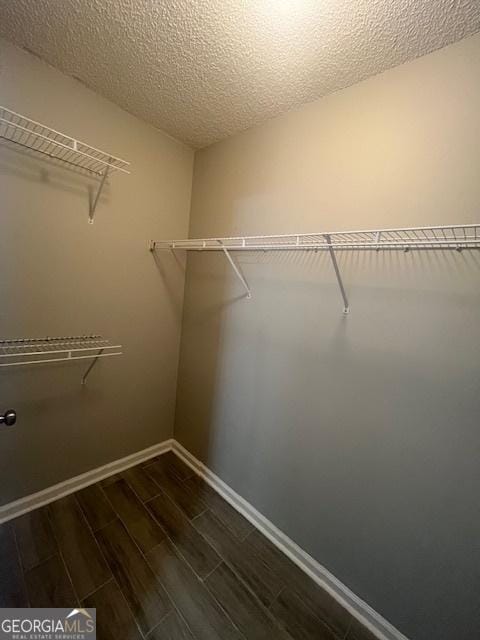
x=29, y=351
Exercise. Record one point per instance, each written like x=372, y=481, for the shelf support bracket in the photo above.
x=346, y=307
x=90, y=366
x=93, y=205
x=236, y=269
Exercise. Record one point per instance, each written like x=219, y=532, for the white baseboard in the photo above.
x=380, y=627
x=36, y=500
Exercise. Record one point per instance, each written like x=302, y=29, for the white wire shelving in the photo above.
x=445, y=237
x=31, y=351
x=73, y=153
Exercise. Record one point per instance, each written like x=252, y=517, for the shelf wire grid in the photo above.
x=32, y=135
x=458, y=237
x=23, y=351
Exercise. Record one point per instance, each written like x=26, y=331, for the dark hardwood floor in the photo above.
x=163, y=557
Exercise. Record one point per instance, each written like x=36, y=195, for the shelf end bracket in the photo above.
x=93, y=205
x=236, y=269
x=346, y=306
x=90, y=367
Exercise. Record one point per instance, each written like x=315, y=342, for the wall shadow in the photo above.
x=26, y=165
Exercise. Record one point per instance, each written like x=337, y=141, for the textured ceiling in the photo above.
x=205, y=69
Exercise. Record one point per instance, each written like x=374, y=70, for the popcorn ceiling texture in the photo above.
x=203, y=70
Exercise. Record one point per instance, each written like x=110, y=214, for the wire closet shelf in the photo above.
x=445, y=237
x=458, y=237
x=37, y=137
x=31, y=351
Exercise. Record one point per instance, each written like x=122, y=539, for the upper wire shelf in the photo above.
x=465, y=236
x=72, y=153
x=33, y=135
x=446, y=237
x=26, y=351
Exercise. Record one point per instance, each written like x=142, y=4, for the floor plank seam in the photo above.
x=89, y=595
x=144, y=502
x=20, y=565
x=264, y=608
x=269, y=613
x=221, y=561
x=223, y=609
x=85, y=515
x=200, y=514
x=135, y=492
x=126, y=604
x=180, y=614
x=182, y=556
x=276, y=597
x=144, y=635
x=106, y=560
x=174, y=607
x=345, y=637
x=144, y=556
x=40, y=562
x=167, y=497
x=165, y=615
x=60, y=554
x=235, y=571
x=312, y=611
x=184, y=559
x=60, y=550
x=90, y=528
x=170, y=597
x=129, y=608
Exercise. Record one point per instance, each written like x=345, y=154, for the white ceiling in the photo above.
x=205, y=69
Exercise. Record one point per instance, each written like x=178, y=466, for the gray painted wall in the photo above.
x=62, y=276
x=359, y=437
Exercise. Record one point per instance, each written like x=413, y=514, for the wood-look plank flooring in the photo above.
x=163, y=557
x=13, y=592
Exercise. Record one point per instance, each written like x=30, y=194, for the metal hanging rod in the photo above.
x=445, y=237
x=45, y=141
x=26, y=351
